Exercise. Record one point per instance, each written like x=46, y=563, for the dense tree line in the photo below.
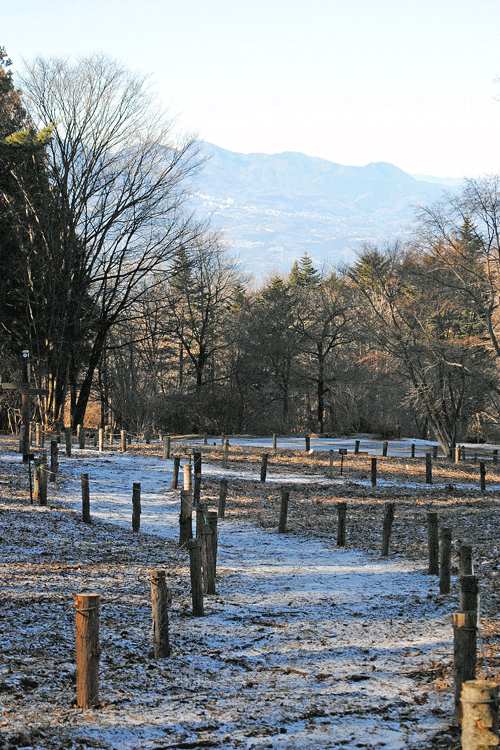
x=136, y=315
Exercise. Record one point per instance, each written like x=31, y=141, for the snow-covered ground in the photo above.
x=303, y=646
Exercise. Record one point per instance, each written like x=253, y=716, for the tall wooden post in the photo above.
x=187, y=476
x=87, y=649
x=136, y=506
x=285, y=496
x=341, y=519
x=428, y=468
x=263, y=467
x=101, y=440
x=85, y=498
x=159, y=614
x=222, y=497
x=68, y=437
x=387, y=528
x=197, y=477
x=123, y=441
x=433, y=543
x=175, y=472
x=185, y=518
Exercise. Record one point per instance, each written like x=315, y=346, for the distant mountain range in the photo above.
x=275, y=207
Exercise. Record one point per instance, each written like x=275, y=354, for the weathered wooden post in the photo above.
x=101, y=440
x=85, y=498
x=87, y=649
x=433, y=543
x=185, y=518
x=40, y=483
x=123, y=441
x=465, y=639
x=136, y=506
x=434, y=451
x=194, y=547
x=212, y=521
x=308, y=443
x=285, y=496
x=175, y=472
x=263, y=467
x=205, y=439
x=479, y=701
x=385, y=446
x=222, y=497
x=356, y=447
x=465, y=566
x=147, y=436
x=38, y=434
x=54, y=451
x=81, y=438
x=495, y=456
x=274, y=441
x=187, y=477
x=457, y=454
x=225, y=454
x=413, y=450
x=330, y=470
x=68, y=439
x=482, y=471
x=469, y=593
x=197, y=477
x=374, y=472
x=166, y=447
x=341, y=521
x=445, y=567
x=159, y=614
x=207, y=556
x=111, y=436
x=22, y=432
x=428, y=468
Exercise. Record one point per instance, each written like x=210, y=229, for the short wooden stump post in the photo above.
x=385, y=446
x=85, y=498
x=194, y=547
x=81, y=438
x=101, y=440
x=123, y=441
x=159, y=614
x=356, y=447
x=87, y=649
x=387, y=528
x=54, y=456
x=330, y=468
x=482, y=472
x=222, y=497
x=136, y=507
x=308, y=443
x=263, y=467
x=285, y=497
x=166, y=447
x=374, y=471
x=341, y=519
x=433, y=543
x=479, y=701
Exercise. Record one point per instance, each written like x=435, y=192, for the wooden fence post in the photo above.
x=41, y=474
x=159, y=614
x=38, y=434
x=413, y=450
x=433, y=543
x=208, y=556
x=194, y=547
x=356, y=447
x=308, y=443
x=387, y=528
x=87, y=649
x=136, y=507
x=374, y=472
x=428, y=468
x=197, y=478
x=445, y=571
x=330, y=471
x=175, y=472
x=285, y=496
x=123, y=441
x=479, y=700
x=464, y=655
x=222, y=497
x=274, y=441
x=185, y=518
x=385, y=446
x=435, y=451
x=166, y=447
x=482, y=471
x=81, y=438
x=212, y=520
x=263, y=467
x=341, y=519
x=187, y=476
x=101, y=440
x=54, y=454
x=457, y=454
x=469, y=593
x=225, y=454
x=495, y=456
x=85, y=498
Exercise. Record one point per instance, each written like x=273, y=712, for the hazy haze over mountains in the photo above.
x=275, y=207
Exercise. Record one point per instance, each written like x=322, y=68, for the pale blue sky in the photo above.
x=353, y=81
